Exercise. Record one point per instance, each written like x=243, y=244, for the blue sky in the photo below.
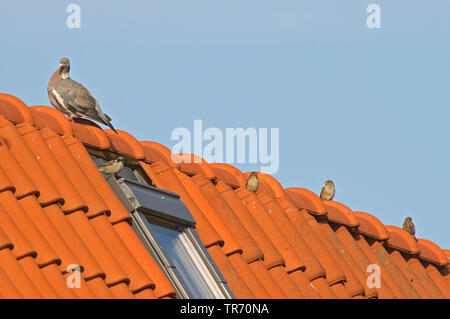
x=368, y=108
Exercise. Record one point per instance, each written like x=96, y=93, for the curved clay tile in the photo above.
x=55, y=172
x=125, y=143
x=432, y=252
x=22, y=183
x=28, y=164
x=400, y=239
x=45, y=116
x=276, y=189
x=5, y=242
x=14, y=109
x=370, y=226
x=22, y=246
x=341, y=214
x=155, y=152
x=139, y=280
x=162, y=285
x=192, y=164
x=5, y=182
x=307, y=200
x=229, y=174
x=89, y=133
x=251, y=251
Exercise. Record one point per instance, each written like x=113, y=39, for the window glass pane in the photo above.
x=183, y=266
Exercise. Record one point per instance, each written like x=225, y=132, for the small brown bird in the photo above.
x=409, y=227
x=253, y=182
x=327, y=192
x=113, y=166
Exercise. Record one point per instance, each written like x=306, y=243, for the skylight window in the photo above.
x=167, y=229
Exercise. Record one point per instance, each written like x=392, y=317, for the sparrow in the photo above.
x=409, y=227
x=72, y=98
x=327, y=192
x=252, y=182
x=113, y=166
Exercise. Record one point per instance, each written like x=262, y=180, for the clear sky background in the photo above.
x=368, y=108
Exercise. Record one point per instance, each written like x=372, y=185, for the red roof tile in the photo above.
x=56, y=209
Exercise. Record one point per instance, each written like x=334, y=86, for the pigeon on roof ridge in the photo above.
x=72, y=98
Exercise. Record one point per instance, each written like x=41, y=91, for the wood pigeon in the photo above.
x=73, y=99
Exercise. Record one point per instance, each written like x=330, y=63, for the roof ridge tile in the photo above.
x=47, y=117
x=15, y=109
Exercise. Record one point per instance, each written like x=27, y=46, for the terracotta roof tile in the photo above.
x=56, y=209
x=114, y=208
x=431, y=252
x=409, y=274
x=114, y=273
x=31, y=269
x=192, y=165
x=272, y=231
x=44, y=116
x=399, y=278
x=11, y=137
x=14, y=109
x=371, y=226
x=7, y=289
x=90, y=134
x=388, y=289
x=5, y=182
x=314, y=268
x=46, y=255
x=422, y=276
x=12, y=270
x=21, y=246
x=341, y=214
x=236, y=282
x=71, y=199
x=163, y=288
x=273, y=287
x=307, y=200
x=77, y=176
x=23, y=185
x=271, y=256
x=401, y=239
x=125, y=143
x=229, y=174
x=155, y=152
x=91, y=267
x=250, y=251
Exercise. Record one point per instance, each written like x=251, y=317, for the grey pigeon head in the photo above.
x=64, y=65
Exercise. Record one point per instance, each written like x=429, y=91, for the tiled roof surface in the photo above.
x=56, y=209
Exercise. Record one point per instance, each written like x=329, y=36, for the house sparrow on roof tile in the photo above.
x=409, y=226
x=73, y=99
x=327, y=192
x=252, y=182
x=113, y=166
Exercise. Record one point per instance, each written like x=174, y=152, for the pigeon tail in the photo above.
x=107, y=120
x=111, y=127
